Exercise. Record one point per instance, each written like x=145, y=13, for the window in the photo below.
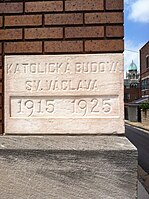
x=145, y=84
x=126, y=96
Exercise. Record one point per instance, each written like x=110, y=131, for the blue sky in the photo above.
x=136, y=15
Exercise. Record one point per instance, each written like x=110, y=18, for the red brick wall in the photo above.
x=144, y=70
x=59, y=27
x=143, y=53
x=134, y=93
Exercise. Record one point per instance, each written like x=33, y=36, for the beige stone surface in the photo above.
x=64, y=94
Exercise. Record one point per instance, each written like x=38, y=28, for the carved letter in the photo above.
x=102, y=67
x=33, y=67
x=17, y=69
x=78, y=67
x=64, y=85
x=9, y=67
x=79, y=85
x=94, y=68
x=67, y=69
x=29, y=85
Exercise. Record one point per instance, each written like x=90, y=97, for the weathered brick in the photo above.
x=1, y=74
x=1, y=87
x=64, y=19
x=1, y=21
x=0, y=100
x=1, y=114
x=84, y=32
x=1, y=61
x=0, y=48
x=23, y=47
x=114, y=31
x=104, y=45
x=43, y=33
x=114, y=4
x=1, y=128
x=11, y=0
x=44, y=6
x=10, y=34
x=11, y=7
x=103, y=17
x=23, y=20
x=63, y=46
x=82, y=5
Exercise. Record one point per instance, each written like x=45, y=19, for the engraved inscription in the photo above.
x=62, y=67
x=64, y=107
x=61, y=74
x=61, y=85
x=64, y=94
x=30, y=106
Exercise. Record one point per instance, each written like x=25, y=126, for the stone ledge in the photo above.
x=66, y=143
x=71, y=167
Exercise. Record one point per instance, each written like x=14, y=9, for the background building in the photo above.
x=131, y=90
x=132, y=84
x=144, y=70
x=137, y=93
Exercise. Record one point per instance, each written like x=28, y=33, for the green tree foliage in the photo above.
x=144, y=106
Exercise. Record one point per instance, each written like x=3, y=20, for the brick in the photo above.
x=114, y=4
x=1, y=74
x=1, y=114
x=1, y=58
x=11, y=7
x=1, y=87
x=84, y=32
x=11, y=0
x=44, y=6
x=63, y=46
x=43, y=33
x=105, y=18
x=0, y=101
x=104, y=45
x=1, y=128
x=10, y=34
x=23, y=20
x=1, y=21
x=64, y=19
x=83, y=5
x=0, y=48
x=23, y=47
x=114, y=31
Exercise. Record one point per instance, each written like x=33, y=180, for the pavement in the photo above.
x=143, y=177
x=142, y=193
x=143, y=184
x=138, y=125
